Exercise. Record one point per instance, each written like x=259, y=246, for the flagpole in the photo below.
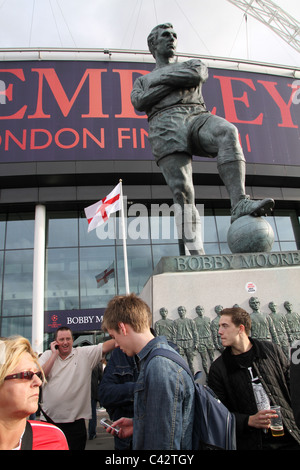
x=124, y=241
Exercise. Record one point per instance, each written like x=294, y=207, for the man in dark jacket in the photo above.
x=117, y=389
x=248, y=377
x=295, y=380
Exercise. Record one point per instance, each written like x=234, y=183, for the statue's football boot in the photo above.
x=246, y=206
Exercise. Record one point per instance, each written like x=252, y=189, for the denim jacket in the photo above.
x=163, y=403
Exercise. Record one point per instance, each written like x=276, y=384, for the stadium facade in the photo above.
x=69, y=133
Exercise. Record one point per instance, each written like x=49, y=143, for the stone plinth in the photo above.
x=211, y=280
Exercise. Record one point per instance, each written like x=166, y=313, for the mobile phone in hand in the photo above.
x=107, y=423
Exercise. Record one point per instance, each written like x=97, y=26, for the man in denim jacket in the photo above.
x=164, y=393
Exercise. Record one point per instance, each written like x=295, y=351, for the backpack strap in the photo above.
x=173, y=355
x=48, y=419
x=27, y=437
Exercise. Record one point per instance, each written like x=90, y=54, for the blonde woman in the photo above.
x=20, y=379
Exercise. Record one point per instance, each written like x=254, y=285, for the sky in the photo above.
x=214, y=28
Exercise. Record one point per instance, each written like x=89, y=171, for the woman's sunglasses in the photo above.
x=28, y=375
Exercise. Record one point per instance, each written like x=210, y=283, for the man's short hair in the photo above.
x=239, y=316
x=151, y=40
x=63, y=328
x=128, y=309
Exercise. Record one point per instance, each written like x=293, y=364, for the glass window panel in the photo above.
x=17, y=287
x=224, y=249
x=136, y=229
x=223, y=224
x=62, y=229
x=103, y=235
x=17, y=326
x=1, y=276
x=139, y=267
x=93, y=263
x=287, y=246
x=284, y=227
x=61, y=280
x=163, y=229
x=210, y=229
x=2, y=230
x=164, y=250
x=211, y=248
x=20, y=231
x=276, y=246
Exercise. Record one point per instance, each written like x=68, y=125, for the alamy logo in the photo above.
x=174, y=223
x=295, y=352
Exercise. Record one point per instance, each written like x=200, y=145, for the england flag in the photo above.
x=98, y=213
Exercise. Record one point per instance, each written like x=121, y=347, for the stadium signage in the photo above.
x=76, y=320
x=53, y=111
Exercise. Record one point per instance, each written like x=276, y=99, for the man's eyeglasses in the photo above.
x=28, y=375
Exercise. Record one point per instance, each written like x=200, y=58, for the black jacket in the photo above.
x=295, y=381
x=232, y=384
x=117, y=385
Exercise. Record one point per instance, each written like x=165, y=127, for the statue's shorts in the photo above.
x=177, y=129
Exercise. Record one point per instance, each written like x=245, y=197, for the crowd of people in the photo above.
x=153, y=407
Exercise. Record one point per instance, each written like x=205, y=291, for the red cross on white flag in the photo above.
x=104, y=277
x=98, y=213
